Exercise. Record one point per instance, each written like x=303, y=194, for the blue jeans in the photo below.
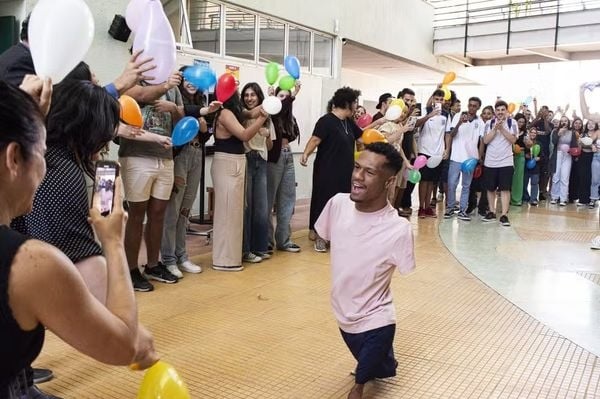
x=256, y=211
x=595, y=187
x=535, y=186
x=454, y=173
x=187, y=171
x=281, y=191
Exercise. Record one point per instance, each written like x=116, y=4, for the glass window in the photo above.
x=205, y=25
x=239, y=35
x=299, y=45
x=323, y=55
x=272, y=40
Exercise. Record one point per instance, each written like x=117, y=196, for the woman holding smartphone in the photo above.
x=39, y=286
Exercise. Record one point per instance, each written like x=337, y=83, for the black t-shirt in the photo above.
x=15, y=63
x=378, y=115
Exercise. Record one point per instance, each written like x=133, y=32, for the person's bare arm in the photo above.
x=311, y=146
x=151, y=93
x=134, y=72
x=230, y=123
x=134, y=133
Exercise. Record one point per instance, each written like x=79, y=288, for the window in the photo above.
x=299, y=45
x=239, y=34
x=323, y=55
x=205, y=26
x=272, y=40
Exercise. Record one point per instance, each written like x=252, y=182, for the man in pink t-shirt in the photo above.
x=368, y=242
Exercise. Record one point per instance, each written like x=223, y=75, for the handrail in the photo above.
x=452, y=12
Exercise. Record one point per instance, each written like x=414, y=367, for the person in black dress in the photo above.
x=334, y=134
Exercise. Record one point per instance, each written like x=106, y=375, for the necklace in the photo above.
x=345, y=126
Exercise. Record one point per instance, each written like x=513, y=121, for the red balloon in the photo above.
x=575, y=151
x=477, y=172
x=226, y=86
x=364, y=121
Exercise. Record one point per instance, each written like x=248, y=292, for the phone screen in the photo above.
x=104, y=187
x=438, y=106
x=412, y=121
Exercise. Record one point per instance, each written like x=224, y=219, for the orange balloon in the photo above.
x=511, y=108
x=130, y=111
x=372, y=136
x=448, y=78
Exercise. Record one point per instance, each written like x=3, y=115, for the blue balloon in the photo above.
x=469, y=165
x=531, y=163
x=292, y=66
x=185, y=130
x=200, y=76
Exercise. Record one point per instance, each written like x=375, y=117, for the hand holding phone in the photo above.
x=104, y=186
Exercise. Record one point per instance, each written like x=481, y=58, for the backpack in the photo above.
x=509, y=122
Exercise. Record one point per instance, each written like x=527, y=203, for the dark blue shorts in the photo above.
x=374, y=352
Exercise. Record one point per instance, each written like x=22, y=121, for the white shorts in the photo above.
x=146, y=177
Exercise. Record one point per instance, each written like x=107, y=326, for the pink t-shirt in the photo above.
x=366, y=248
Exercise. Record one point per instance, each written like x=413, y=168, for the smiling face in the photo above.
x=501, y=112
x=370, y=178
x=250, y=98
x=487, y=114
x=532, y=133
x=577, y=125
x=189, y=88
x=564, y=122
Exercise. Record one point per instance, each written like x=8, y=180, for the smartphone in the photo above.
x=412, y=121
x=438, y=106
x=104, y=186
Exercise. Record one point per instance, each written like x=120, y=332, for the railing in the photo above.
x=461, y=12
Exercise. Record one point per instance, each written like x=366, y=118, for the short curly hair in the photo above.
x=343, y=98
x=393, y=159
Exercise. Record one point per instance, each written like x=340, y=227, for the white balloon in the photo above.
x=60, y=34
x=434, y=161
x=272, y=105
x=134, y=13
x=155, y=37
x=586, y=141
x=393, y=112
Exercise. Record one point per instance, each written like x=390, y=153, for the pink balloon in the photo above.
x=364, y=121
x=155, y=37
x=134, y=13
x=564, y=147
x=420, y=162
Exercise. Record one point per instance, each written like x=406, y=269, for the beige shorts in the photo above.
x=146, y=177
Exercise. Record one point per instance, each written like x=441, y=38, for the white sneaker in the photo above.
x=251, y=258
x=190, y=267
x=174, y=270
x=595, y=243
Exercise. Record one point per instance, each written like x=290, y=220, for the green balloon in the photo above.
x=287, y=82
x=414, y=176
x=535, y=150
x=272, y=72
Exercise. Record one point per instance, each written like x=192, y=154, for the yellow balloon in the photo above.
x=399, y=102
x=162, y=381
x=447, y=94
x=449, y=78
x=356, y=154
x=511, y=108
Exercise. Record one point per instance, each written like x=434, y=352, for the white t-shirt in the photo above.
x=366, y=248
x=431, y=137
x=258, y=142
x=465, y=143
x=499, y=152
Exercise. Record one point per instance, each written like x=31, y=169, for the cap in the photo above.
x=383, y=98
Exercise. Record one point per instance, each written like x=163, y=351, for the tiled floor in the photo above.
x=268, y=331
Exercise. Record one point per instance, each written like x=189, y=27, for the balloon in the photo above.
x=155, y=37
x=511, y=108
x=370, y=136
x=575, y=151
x=393, y=112
x=531, y=163
x=185, y=130
x=516, y=149
x=469, y=165
x=226, y=86
x=272, y=105
x=448, y=78
x=364, y=121
x=586, y=141
x=200, y=76
x=60, y=34
x=399, y=102
x=420, y=161
x=134, y=13
x=414, y=176
x=528, y=100
x=356, y=154
x=535, y=150
x=477, y=172
x=272, y=73
x=162, y=381
x=287, y=82
x=292, y=66
x=447, y=94
x=130, y=111
x=434, y=161
x=564, y=147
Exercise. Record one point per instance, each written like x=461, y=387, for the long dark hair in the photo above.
x=256, y=89
x=20, y=119
x=284, y=120
x=84, y=118
x=195, y=99
x=234, y=104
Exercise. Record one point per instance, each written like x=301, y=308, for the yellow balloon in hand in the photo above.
x=162, y=381
x=399, y=102
x=448, y=78
x=447, y=94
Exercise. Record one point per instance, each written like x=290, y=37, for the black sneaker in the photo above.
x=160, y=273
x=42, y=375
x=291, y=247
x=489, y=217
x=270, y=250
x=139, y=281
x=449, y=213
x=464, y=216
x=504, y=220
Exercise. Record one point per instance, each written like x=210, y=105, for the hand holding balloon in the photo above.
x=134, y=72
x=145, y=355
x=40, y=90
